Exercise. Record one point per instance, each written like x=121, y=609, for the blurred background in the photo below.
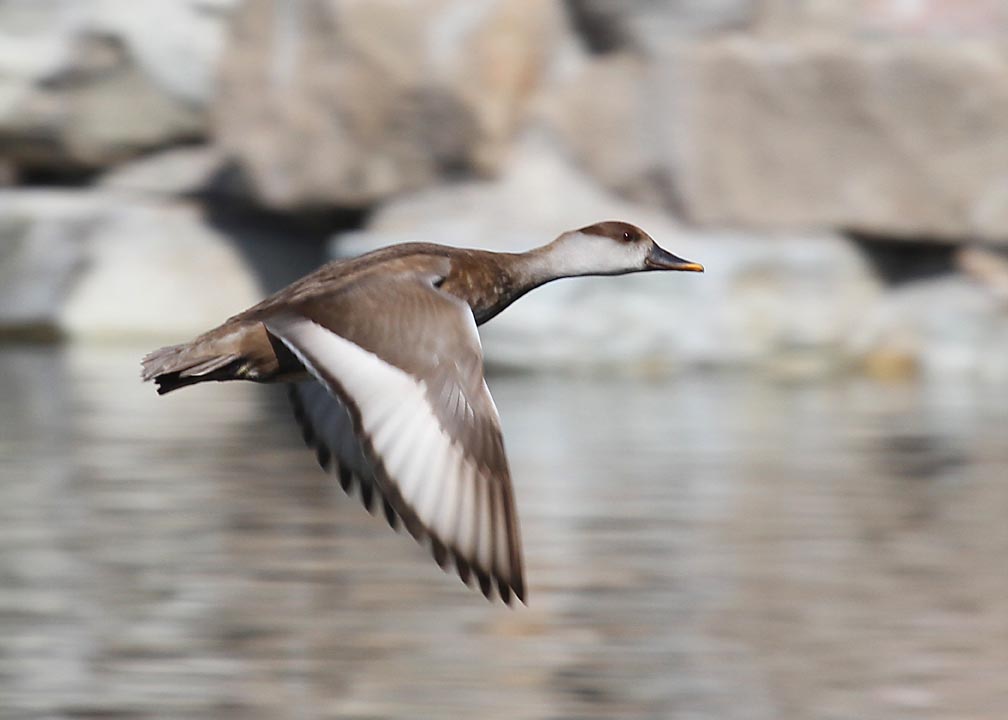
x=777, y=490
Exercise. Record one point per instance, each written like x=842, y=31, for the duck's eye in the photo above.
x=626, y=235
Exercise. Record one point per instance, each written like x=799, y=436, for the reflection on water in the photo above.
x=699, y=548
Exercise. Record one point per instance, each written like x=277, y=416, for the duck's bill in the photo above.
x=660, y=259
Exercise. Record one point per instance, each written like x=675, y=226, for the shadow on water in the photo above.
x=704, y=547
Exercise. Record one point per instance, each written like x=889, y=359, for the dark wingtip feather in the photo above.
x=504, y=590
x=367, y=496
x=439, y=552
x=390, y=515
x=462, y=566
x=518, y=588
x=323, y=456
x=414, y=528
x=299, y=414
x=345, y=479
x=485, y=583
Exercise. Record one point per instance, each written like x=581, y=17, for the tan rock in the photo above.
x=603, y=115
x=891, y=138
x=349, y=101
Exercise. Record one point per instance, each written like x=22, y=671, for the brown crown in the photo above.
x=615, y=229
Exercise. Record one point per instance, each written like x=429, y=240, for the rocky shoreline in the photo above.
x=841, y=172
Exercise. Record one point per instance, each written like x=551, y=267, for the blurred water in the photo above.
x=704, y=547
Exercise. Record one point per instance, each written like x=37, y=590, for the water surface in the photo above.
x=699, y=547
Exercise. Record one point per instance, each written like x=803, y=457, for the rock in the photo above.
x=609, y=25
x=602, y=114
x=789, y=303
x=175, y=172
x=158, y=270
x=884, y=19
x=85, y=264
x=899, y=139
x=37, y=261
x=986, y=267
x=85, y=85
x=949, y=325
x=346, y=102
x=177, y=43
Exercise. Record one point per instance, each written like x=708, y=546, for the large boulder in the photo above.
x=345, y=102
x=790, y=303
x=85, y=84
x=900, y=139
x=606, y=114
x=87, y=264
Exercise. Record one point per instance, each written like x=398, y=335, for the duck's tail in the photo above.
x=177, y=366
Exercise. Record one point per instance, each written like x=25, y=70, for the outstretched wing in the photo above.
x=402, y=361
x=328, y=429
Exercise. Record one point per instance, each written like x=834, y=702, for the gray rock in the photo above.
x=950, y=325
x=346, y=102
x=86, y=264
x=789, y=303
x=86, y=84
x=157, y=270
x=174, y=172
x=37, y=263
x=902, y=139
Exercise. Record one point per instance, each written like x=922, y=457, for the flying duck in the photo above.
x=386, y=373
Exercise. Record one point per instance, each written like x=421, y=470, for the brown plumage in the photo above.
x=388, y=379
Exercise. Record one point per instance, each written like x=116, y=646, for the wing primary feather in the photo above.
x=323, y=456
x=516, y=576
x=445, y=518
x=484, y=526
x=366, y=495
x=390, y=515
x=405, y=451
x=465, y=513
x=346, y=479
x=439, y=552
x=485, y=584
x=505, y=591
x=483, y=562
x=502, y=561
x=462, y=566
x=425, y=495
x=307, y=434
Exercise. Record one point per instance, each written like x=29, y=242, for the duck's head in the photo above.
x=613, y=248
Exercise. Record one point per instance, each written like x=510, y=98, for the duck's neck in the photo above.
x=518, y=273
x=551, y=262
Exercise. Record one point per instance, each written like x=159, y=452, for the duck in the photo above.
x=385, y=371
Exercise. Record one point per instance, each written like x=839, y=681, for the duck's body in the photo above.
x=389, y=374
x=485, y=281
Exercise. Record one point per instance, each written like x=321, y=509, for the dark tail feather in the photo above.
x=177, y=366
